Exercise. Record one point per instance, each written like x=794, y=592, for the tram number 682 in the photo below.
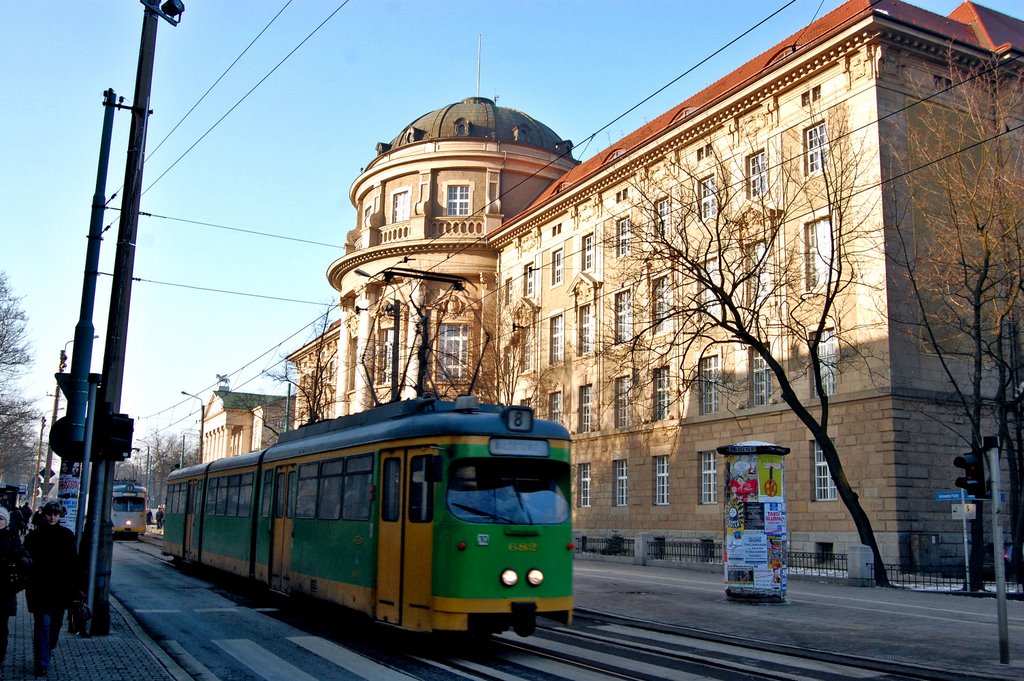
x=523, y=546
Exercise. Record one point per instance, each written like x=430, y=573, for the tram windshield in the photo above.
x=129, y=504
x=506, y=491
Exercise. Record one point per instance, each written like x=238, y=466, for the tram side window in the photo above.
x=358, y=481
x=391, y=495
x=305, y=499
x=421, y=501
x=234, y=486
x=245, y=494
x=329, y=503
x=223, y=493
x=212, y=495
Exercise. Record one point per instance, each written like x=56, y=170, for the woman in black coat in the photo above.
x=54, y=581
x=14, y=561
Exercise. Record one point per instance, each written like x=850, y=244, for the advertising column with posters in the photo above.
x=756, y=538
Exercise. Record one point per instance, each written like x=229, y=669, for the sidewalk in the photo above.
x=126, y=654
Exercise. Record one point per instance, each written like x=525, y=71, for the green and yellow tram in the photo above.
x=423, y=514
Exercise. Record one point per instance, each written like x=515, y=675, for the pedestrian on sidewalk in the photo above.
x=54, y=582
x=14, y=566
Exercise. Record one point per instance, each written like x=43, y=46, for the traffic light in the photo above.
x=973, y=480
x=114, y=433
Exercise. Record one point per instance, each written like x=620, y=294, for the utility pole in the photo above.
x=101, y=538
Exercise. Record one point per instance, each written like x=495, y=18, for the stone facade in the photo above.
x=575, y=279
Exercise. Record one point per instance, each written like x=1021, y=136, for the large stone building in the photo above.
x=727, y=272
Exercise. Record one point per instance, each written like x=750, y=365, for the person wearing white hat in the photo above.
x=14, y=564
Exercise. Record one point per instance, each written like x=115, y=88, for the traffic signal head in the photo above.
x=973, y=479
x=114, y=436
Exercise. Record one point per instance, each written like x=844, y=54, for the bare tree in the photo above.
x=775, y=264
x=18, y=419
x=312, y=375
x=960, y=234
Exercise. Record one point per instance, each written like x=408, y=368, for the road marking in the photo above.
x=559, y=650
x=191, y=665
x=349, y=660
x=757, y=659
x=156, y=611
x=204, y=610
x=262, y=662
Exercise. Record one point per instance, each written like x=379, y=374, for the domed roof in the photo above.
x=480, y=118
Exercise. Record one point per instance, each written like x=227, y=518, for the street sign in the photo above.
x=964, y=511
x=954, y=495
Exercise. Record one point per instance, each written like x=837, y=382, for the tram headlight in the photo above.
x=128, y=523
x=509, y=577
x=534, y=577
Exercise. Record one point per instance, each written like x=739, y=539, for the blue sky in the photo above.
x=283, y=159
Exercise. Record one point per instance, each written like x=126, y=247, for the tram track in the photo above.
x=717, y=650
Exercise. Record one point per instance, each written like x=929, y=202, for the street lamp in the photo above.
x=202, y=421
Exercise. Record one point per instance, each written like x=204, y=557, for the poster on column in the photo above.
x=67, y=492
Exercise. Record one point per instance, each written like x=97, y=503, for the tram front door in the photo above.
x=404, y=543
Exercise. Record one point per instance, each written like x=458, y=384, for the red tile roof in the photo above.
x=969, y=23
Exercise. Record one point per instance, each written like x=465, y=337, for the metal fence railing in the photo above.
x=799, y=563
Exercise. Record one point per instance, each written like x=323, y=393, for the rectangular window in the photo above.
x=623, y=235
x=587, y=253
x=824, y=487
x=661, y=394
x=759, y=286
x=400, y=207
x=556, y=340
x=329, y=502
x=305, y=501
x=709, y=370
x=818, y=252
x=358, y=492
x=458, y=200
x=708, y=478
x=529, y=281
x=704, y=152
x=661, y=481
x=761, y=379
x=623, y=316
x=585, y=327
x=815, y=148
x=711, y=306
x=661, y=309
x=621, y=483
x=757, y=175
x=557, y=270
x=421, y=501
x=664, y=208
x=828, y=356
x=453, y=350
x=528, y=347
x=708, y=198
x=555, y=406
x=583, y=486
x=586, y=408
x=623, y=386
x=384, y=339
x=810, y=96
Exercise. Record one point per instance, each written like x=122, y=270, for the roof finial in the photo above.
x=479, y=47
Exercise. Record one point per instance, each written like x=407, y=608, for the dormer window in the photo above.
x=521, y=133
x=461, y=127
